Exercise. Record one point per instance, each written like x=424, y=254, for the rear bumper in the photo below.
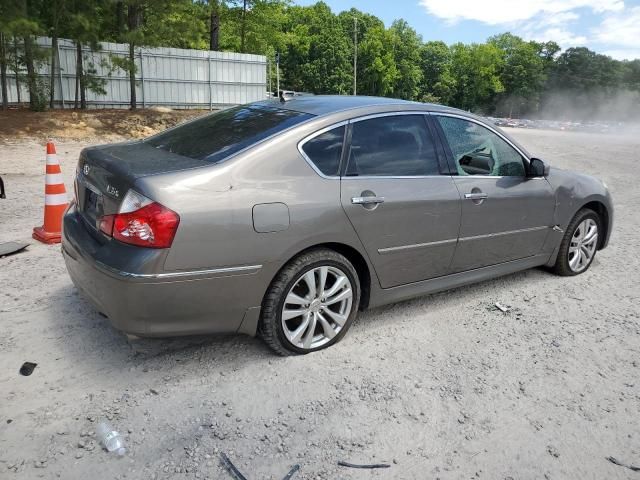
x=140, y=301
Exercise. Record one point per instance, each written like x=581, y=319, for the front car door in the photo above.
x=405, y=212
x=506, y=215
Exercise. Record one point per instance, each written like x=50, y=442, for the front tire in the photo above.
x=579, y=244
x=311, y=303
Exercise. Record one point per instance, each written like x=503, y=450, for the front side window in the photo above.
x=215, y=137
x=478, y=151
x=396, y=146
x=324, y=150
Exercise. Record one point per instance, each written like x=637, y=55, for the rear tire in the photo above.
x=318, y=294
x=579, y=244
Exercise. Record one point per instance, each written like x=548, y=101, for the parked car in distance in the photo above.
x=287, y=218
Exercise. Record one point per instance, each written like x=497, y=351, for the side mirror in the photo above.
x=537, y=168
x=2, y=195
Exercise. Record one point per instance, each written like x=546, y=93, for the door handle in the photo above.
x=475, y=196
x=366, y=200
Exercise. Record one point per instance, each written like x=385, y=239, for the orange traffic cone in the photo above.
x=55, y=200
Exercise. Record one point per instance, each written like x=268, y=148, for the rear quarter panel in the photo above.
x=215, y=205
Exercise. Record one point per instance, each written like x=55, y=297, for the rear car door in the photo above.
x=506, y=215
x=405, y=212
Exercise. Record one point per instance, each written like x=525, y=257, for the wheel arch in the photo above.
x=356, y=258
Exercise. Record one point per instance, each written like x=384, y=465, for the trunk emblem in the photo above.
x=113, y=191
x=86, y=169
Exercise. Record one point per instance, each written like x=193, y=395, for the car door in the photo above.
x=405, y=212
x=506, y=215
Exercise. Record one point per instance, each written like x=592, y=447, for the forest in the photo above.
x=504, y=76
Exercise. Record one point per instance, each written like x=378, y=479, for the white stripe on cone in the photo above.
x=52, y=159
x=54, y=179
x=55, y=199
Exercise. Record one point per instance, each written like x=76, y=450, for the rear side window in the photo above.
x=398, y=146
x=324, y=150
x=214, y=137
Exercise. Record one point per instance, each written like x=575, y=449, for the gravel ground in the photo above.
x=443, y=386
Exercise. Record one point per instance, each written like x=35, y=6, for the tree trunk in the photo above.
x=132, y=76
x=32, y=81
x=3, y=72
x=52, y=81
x=214, y=27
x=80, y=78
x=16, y=69
x=243, y=26
x=78, y=73
x=134, y=20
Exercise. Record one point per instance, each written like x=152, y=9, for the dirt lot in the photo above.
x=90, y=126
x=443, y=386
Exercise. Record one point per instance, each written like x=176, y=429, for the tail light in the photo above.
x=141, y=221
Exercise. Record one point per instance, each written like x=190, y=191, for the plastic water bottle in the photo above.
x=110, y=438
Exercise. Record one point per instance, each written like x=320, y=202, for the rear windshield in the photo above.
x=216, y=136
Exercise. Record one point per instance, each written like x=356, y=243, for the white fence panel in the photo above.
x=172, y=77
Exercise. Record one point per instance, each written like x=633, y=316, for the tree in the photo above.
x=53, y=15
x=318, y=55
x=214, y=24
x=476, y=68
x=406, y=53
x=27, y=26
x=9, y=12
x=377, y=71
x=522, y=73
x=438, y=83
x=80, y=25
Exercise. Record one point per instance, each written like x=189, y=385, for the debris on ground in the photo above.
x=9, y=248
x=502, y=308
x=292, y=472
x=110, y=439
x=237, y=475
x=355, y=465
x=27, y=368
x=231, y=468
x=621, y=464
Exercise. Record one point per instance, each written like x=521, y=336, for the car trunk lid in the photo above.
x=106, y=173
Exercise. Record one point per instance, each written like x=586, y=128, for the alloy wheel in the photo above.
x=317, y=307
x=583, y=245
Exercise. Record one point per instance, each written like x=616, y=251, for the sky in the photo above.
x=611, y=27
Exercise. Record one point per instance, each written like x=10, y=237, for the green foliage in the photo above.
x=438, y=83
x=506, y=75
x=406, y=45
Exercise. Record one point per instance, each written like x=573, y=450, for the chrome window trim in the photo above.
x=311, y=137
x=488, y=127
x=373, y=177
x=397, y=113
x=389, y=114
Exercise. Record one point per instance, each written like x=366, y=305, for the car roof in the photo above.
x=321, y=105
x=325, y=105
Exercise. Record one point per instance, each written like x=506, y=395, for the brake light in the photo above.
x=142, y=222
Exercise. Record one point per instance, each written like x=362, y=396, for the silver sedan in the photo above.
x=285, y=218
